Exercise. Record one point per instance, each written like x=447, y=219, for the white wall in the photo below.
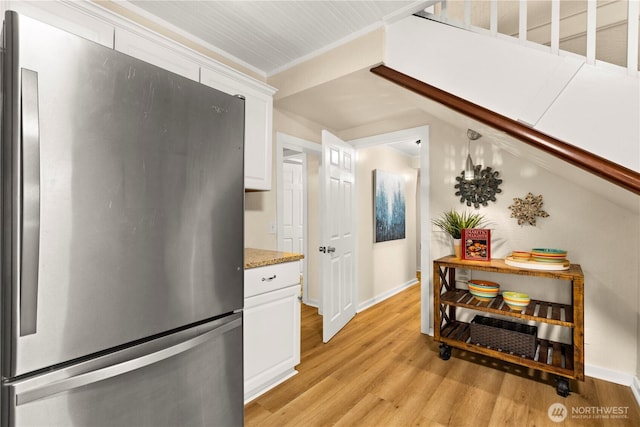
x=384, y=267
x=601, y=236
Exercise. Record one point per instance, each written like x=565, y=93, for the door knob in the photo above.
x=330, y=249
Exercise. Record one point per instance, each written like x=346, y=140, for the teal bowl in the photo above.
x=551, y=253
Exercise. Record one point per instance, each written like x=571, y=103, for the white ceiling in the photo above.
x=269, y=36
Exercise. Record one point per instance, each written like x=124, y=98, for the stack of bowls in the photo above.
x=483, y=290
x=516, y=300
x=548, y=255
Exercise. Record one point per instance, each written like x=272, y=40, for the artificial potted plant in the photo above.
x=453, y=222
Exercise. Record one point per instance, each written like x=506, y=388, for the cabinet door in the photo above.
x=271, y=339
x=257, y=159
x=258, y=127
x=155, y=53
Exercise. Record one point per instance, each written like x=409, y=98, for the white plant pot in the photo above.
x=457, y=247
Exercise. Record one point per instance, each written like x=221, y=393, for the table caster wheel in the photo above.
x=445, y=352
x=562, y=387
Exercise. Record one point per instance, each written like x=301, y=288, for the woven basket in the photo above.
x=512, y=337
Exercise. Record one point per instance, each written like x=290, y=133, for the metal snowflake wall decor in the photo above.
x=528, y=209
x=480, y=190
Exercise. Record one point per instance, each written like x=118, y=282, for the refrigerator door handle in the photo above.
x=30, y=189
x=43, y=391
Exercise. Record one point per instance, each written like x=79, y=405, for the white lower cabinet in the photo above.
x=271, y=329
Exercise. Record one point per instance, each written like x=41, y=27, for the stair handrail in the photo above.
x=592, y=163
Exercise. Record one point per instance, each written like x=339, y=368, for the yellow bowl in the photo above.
x=516, y=301
x=521, y=255
x=549, y=253
x=516, y=297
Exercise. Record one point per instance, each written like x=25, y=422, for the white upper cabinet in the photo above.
x=258, y=124
x=92, y=22
x=155, y=53
x=65, y=16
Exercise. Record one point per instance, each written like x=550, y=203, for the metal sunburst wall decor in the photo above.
x=527, y=209
x=480, y=190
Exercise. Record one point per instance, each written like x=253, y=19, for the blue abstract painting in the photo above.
x=389, y=206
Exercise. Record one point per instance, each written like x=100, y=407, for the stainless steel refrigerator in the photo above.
x=122, y=239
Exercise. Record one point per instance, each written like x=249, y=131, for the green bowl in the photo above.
x=548, y=252
x=516, y=297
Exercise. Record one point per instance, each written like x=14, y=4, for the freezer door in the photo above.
x=123, y=198
x=193, y=379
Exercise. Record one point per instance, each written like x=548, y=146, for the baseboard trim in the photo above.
x=635, y=388
x=312, y=303
x=266, y=387
x=385, y=295
x=610, y=375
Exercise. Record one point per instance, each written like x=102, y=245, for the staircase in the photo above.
x=578, y=108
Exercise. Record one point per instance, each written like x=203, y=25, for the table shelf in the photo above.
x=550, y=356
x=539, y=311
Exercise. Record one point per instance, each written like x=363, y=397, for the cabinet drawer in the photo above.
x=265, y=279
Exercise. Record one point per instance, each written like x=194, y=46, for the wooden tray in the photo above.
x=536, y=265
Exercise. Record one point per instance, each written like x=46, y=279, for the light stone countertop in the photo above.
x=261, y=257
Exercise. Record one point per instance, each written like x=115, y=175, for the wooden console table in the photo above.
x=564, y=360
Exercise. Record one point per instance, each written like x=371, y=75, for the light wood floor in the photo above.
x=381, y=371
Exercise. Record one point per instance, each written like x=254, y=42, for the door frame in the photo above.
x=285, y=141
x=421, y=132
x=426, y=268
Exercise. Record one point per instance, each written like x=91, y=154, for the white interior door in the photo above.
x=293, y=204
x=338, y=261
